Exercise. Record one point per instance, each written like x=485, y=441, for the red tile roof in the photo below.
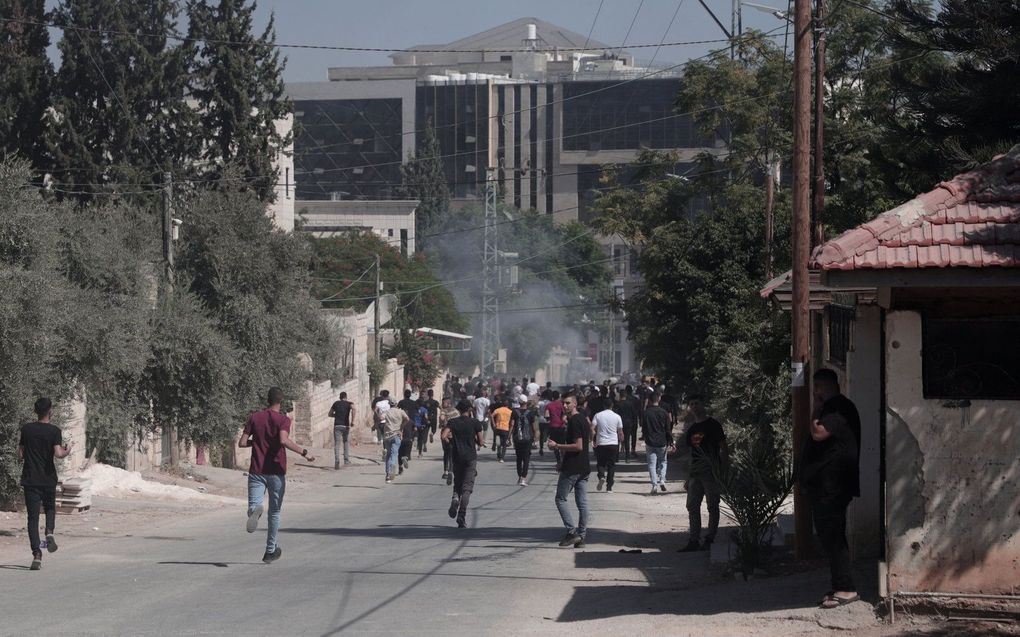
x=972, y=220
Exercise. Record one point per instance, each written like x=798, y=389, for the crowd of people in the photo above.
x=568, y=421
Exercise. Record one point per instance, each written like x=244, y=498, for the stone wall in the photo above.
x=952, y=470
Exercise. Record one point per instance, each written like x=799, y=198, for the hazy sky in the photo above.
x=405, y=23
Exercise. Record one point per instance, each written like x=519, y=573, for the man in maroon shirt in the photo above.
x=267, y=432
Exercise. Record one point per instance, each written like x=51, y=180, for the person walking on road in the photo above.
x=432, y=405
x=657, y=431
x=629, y=409
x=394, y=422
x=522, y=432
x=39, y=444
x=481, y=409
x=707, y=441
x=342, y=413
x=267, y=433
x=501, y=417
x=574, y=471
x=557, y=425
x=830, y=476
x=607, y=435
x=464, y=435
x=446, y=414
x=380, y=405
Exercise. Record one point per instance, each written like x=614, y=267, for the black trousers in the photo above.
x=447, y=450
x=464, y=484
x=543, y=435
x=499, y=442
x=630, y=438
x=406, y=445
x=37, y=498
x=605, y=459
x=829, y=516
x=522, y=451
x=423, y=438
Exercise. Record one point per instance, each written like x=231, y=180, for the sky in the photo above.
x=405, y=23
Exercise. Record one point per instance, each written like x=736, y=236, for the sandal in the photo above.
x=825, y=597
x=835, y=602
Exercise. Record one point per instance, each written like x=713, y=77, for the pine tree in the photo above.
x=425, y=181
x=958, y=109
x=237, y=83
x=25, y=76
x=119, y=113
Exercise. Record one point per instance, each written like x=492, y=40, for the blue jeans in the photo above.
x=579, y=485
x=392, y=455
x=656, y=464
x=341, y=435
x=258, y=486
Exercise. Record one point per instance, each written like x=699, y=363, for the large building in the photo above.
x=545, y=107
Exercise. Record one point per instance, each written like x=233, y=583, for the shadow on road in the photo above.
x=14, y=567
x=217, y=564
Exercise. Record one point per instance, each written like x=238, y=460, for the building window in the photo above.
x=286, y=182
x=971, y=358
x=403, y=241
x=841, y=319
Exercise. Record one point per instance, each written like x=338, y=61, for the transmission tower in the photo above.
x=490, y=269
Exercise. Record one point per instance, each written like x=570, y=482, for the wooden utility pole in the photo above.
x=168, y=264
x=801, y=318
x=770, y=196
x=375, y=323
x=818, y=207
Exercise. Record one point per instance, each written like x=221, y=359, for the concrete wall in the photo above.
x=953, y=470
x=864, y=387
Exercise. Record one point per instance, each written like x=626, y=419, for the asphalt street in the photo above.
x=363, y=557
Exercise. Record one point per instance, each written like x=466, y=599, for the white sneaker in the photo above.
x=520, y=481
x=524, y=482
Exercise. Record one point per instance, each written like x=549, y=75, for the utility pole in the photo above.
x=375, y=323
x=771, y=169
x=818, y=207
x=170, y=439
x=801, y=318
x=490, y=269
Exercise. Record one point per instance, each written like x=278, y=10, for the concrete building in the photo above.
x=527, y=98
x=391, y=219
x=918, y=311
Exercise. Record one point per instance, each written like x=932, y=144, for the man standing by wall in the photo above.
x=464, y=435
x=657, y=430
x=574, y=471
x=342, y=413
x=607, y=436
x=267, y=432
x=830, y=476
x=707, y=442
x=39, y=444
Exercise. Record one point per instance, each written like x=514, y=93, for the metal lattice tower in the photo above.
x=490, y=285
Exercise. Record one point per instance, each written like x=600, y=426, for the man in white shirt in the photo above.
x=532, y=388
x=481, y=406
x=607, y=434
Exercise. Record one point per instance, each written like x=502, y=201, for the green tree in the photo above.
x=236, y=80
x=955, y=106
x=424, y=180
x=119, y=117
x=25, y=77
x=344, y=276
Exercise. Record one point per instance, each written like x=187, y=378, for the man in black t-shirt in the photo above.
x=574, y=471
x=342, y=413
x=629, y=410
x=432, y=405
x=464, y=435
x=39, y=444
x=707, y=441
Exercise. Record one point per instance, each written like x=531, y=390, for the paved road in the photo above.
x=362, y=557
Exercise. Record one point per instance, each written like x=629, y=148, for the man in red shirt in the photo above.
x=267, y=432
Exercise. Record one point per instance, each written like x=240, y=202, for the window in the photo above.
x=403, y=241
x=971, y=358
x=841, y=319
x=286, y=182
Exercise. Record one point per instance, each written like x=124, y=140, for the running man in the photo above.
x=267, y=432
x=464, y=435
x=394, y=422
x=342, y=413
x=607, y=436
x=574, y=472
x=448, y=413
x=481, y=407
x=433, y=406
x=380, y=405
x=39, y=444
x=522, y=432
x=501, y=417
